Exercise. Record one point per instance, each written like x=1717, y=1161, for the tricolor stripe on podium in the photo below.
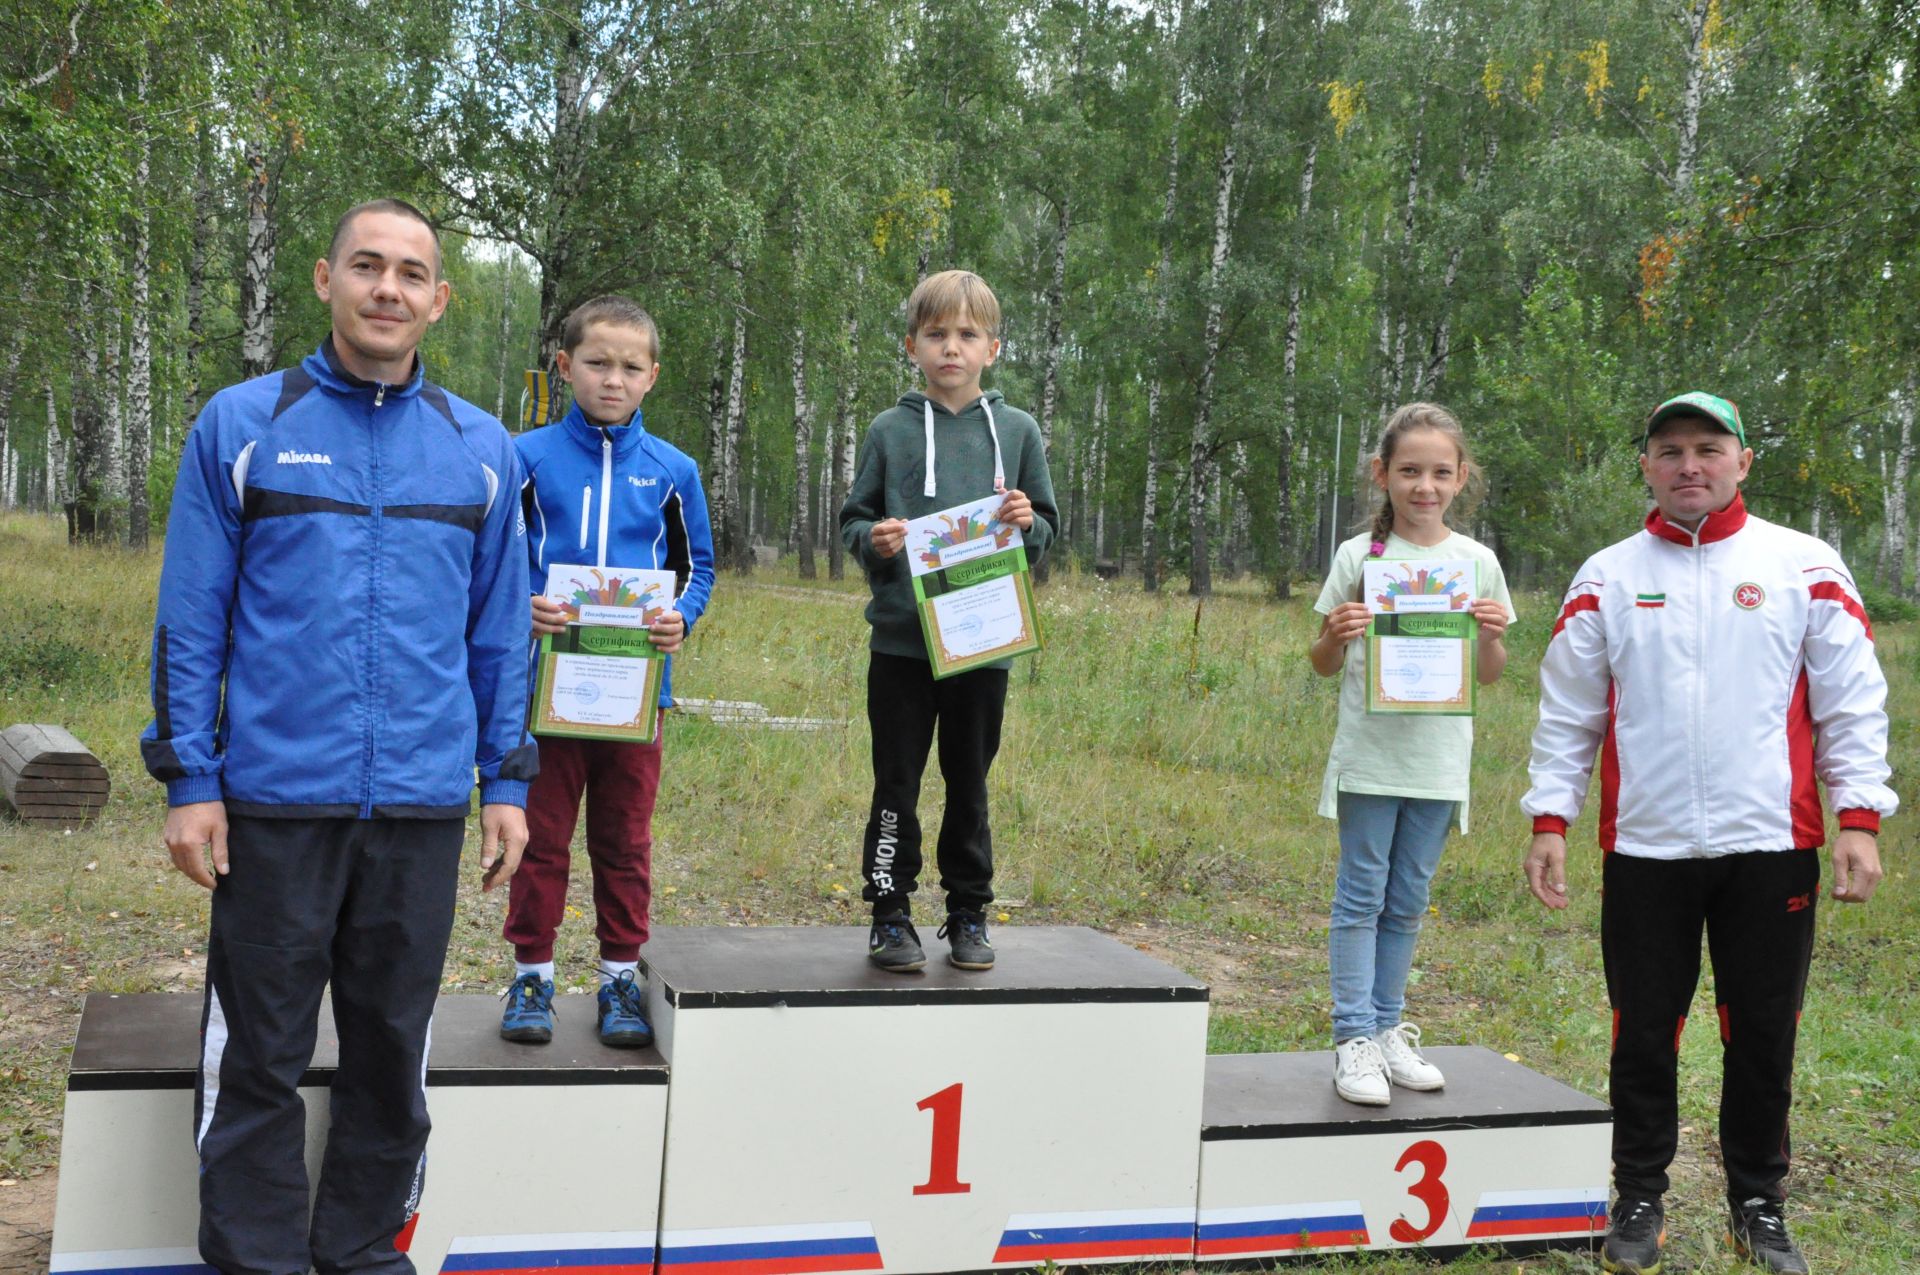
x=771, y=1250
x=580, y=1253
x=131, y=1261
x=1038, y=1237
x=1566, y=1211
x=1276, y=1228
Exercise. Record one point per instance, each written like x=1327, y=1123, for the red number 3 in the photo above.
x=1429, y=1190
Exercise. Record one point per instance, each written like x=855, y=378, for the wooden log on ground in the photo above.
x=48, y=777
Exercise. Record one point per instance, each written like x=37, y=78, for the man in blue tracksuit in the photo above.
x=340, y=645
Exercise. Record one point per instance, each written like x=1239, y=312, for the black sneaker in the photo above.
x=1636, y=1229
x=894, y=945
x=967, y=932
x=1759, y=1234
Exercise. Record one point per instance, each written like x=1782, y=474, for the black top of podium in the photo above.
x=152, y=1041
x=1291, y=1096
x=710, y=967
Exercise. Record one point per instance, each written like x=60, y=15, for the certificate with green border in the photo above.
x=598, y=682
x=971, y=587
x=1421, y=661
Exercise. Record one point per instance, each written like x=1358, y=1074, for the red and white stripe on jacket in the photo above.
x=1718, y=673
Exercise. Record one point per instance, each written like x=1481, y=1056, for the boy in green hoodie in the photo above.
x=931, y=451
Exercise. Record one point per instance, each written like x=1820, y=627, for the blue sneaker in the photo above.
x=623, y=1013
x=529, y=1014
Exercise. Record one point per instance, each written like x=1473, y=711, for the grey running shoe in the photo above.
x=894, y=945
x=967, y=932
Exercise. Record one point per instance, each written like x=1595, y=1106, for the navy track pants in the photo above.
x=363, y=906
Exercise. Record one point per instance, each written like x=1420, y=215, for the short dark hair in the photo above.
x=608, y=309
x=400, y=206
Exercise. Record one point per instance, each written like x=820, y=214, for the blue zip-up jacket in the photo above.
x=346, y=562
x=617, y=496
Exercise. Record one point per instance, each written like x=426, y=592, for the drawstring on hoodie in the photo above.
x=999, y=470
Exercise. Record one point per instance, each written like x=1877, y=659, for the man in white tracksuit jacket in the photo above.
x=1720, y=666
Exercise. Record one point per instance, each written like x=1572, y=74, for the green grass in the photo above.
x=1154, y=781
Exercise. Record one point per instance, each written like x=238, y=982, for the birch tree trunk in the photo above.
x=1097, y=475
x=734, y=531
x=256, y=278
x=1442, y=347
x=1200, y=457
x=802, y=455
x=203, y=219
x=1290, y=401
x=1163, y=287
x=1056, y=305
x=841, y=459
x=1691, y=97
x=506, y=328
x=56, y=456
x=90, y=519
x=567, y=168
x=1898, y=528
x=139, y=439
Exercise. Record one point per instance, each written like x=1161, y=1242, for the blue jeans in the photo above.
x=1389, y=848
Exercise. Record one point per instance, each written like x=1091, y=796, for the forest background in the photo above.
x=1228, y=237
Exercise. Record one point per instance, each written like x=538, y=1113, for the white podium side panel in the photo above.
x=949, y=1122
x=129, y=1197
x=542, y=1158
x=1501, y=1157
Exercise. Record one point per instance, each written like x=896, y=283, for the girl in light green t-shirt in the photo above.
x=1395, y=782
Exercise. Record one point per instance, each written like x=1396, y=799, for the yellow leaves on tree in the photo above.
x=1492, y=76
x=1594, y=58
x=1658, y=257
x=913, y=210
x=1536, y=80
x=1713, y=30
x=1346, y=103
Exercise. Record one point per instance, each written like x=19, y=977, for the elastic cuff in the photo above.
x=1550, y=823
x=1862, y=818
x=194, y=788
x=503, y=792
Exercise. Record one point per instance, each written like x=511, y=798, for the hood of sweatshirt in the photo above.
x=981, y=409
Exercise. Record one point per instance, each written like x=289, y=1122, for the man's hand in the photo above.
x=503, y=835
x=1547, y=869
x=890, y=534
x=667, y=632
x=549, y=617
x=1016, y=510
x=1856, y=865
x=193, y=828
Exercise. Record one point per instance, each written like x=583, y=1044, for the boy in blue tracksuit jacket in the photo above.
x=340, y=647
x=600, y=490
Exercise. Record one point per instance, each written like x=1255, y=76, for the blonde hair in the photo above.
x=1405, y=420
x=953, y=292
x=617, y=310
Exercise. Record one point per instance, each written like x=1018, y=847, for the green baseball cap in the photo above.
x=1712, y=407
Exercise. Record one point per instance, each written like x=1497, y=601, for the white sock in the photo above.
x=543, y=968
x=610, y=971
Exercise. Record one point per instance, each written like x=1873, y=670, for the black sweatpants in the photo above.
x=905, y=706
x=363, y=905
x=1758, y=912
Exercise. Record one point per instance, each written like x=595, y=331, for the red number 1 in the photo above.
x=943, y=1166
x=1429, y=1190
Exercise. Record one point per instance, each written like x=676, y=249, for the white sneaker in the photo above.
x=1360, y=1073
x=1400, y=1047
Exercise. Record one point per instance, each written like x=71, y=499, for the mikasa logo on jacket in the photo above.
x=304, y=458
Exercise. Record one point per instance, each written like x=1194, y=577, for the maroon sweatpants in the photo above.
x=620, y=781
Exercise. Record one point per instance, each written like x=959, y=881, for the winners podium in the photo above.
x=805, y=1112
